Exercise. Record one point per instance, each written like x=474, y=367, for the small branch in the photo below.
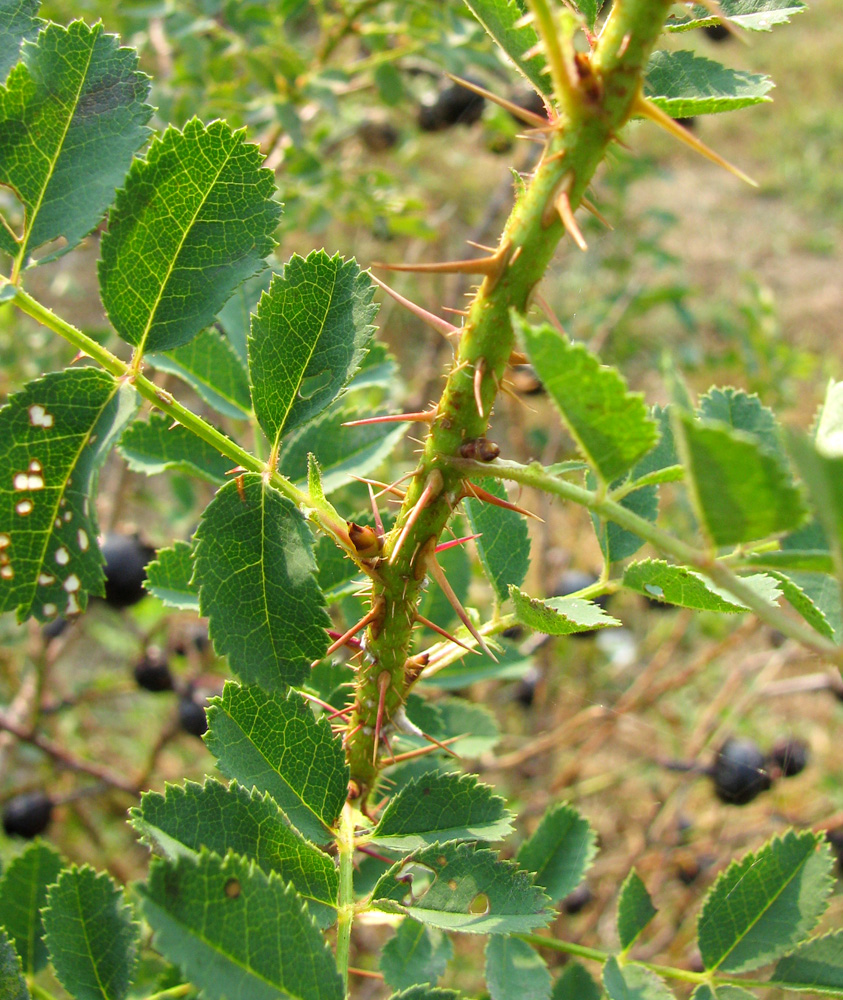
x=345, y=902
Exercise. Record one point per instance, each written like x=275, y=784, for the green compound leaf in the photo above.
x=439, y=807
x=23, y=891
x=18, y=20
x=91, y=936
x=753, y=15
x=816, y=967
x=236, y=932
x=308, y=337
x=576, y=983
x=559, y=615
x=610, y=424
x=277, y=745
x=155, y=446
x=342, y=451
x=169, y=577
x=560, y=851
x=54, y=436
x=616, y=543
x=684, y=84
x=188, y=818
x=802, y=602
x=504, y=542
x=743, y=411
x=742, y=491
x=426, y=993
x=635, y=909
x=71, y=118
x=662, y=581
x=212, y=368
x=195, y=219
x=461, y=887
x=12, y=983
x=514, y=969
x=499, y=18
x=416, y=955
x=633, y=982
x=765, y=903
x=257, y=584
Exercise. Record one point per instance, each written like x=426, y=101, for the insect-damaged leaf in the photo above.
x=23, y=891
x=765, y=903
x=560, y=851
x=204, y=913
x=188, y=818
x=195, y=219
x=54, y=436
x=169, y=577
x=439, y=807
x=91, y=936
x=71, y=118
x=663, y=581
x=309, y=334
x=257, y=584
x=461, y=887
x=559, y=615
x=276, y=745
x=610, y=424
x=684, y=84
x=504, y=542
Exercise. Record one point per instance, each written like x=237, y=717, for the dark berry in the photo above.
x=529, y=100
x=577, y=900
x=125, y=569
x=192, y=716
x=152, y=673
x=455, y=105
x=514, y=632
x=689, y=123
x=377, y=135
x=717, y=32
x=740, y=772
x=835, y=838
x=790, y=756
x=53, y=629
x=27, y=815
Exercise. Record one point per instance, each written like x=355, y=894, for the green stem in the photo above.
x=173, y=993
x=345, y=907
x=715, y=569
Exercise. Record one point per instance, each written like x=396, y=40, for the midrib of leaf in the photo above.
x=97, y=31
x=277, y=443
x=84, y=923
x=762, y=912
x=140, y=348
x=60, y=495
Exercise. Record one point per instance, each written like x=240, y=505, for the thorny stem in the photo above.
x=345, y=907
x=599, y=102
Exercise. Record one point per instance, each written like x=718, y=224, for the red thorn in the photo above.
x=480, y=494
x=490, y=267
x=333, y=634
x=422, y=416
x=456, y=312
x=440, y=325
x=589, y=206
x=384, y=680
x=528, y=117
x=439, y=575
x=375, y=512
x=432, y=489
x=441, y=631
x=374, y=854
x=566, y=214
x=236, y=471
x=479, y=370
x=351, y=732
x=442, y=546
x=421, y=752
x=343, y=639
x=324, y=704
x=386, y=487
x=542, y=302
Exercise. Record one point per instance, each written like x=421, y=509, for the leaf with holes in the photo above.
x=257, y=584
x=23, y=891
x=416, y=955
x=18, y=21
x=222, y=819
x=633, y=982
x=514, y=969
x=663, y=581
x=766, y=903
x=753, y=15
x=12, y=983
x=54, y=436
x=309, y=334
x=235, y=931
x=462, y=887
x=635, y=909
x=276, y=745
x=504, y=542
x=815, y=966
x=169, y=577
x=610, y=424
x=684, y=84
x=742, y=492
x=440, y=807
x=503, y=21
x=210, y=365
x=155, y=446
x=560, y=851
x=576, y=983
x=91, y=935
x=559, y=615
x=195, y=218
x=72, y=115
